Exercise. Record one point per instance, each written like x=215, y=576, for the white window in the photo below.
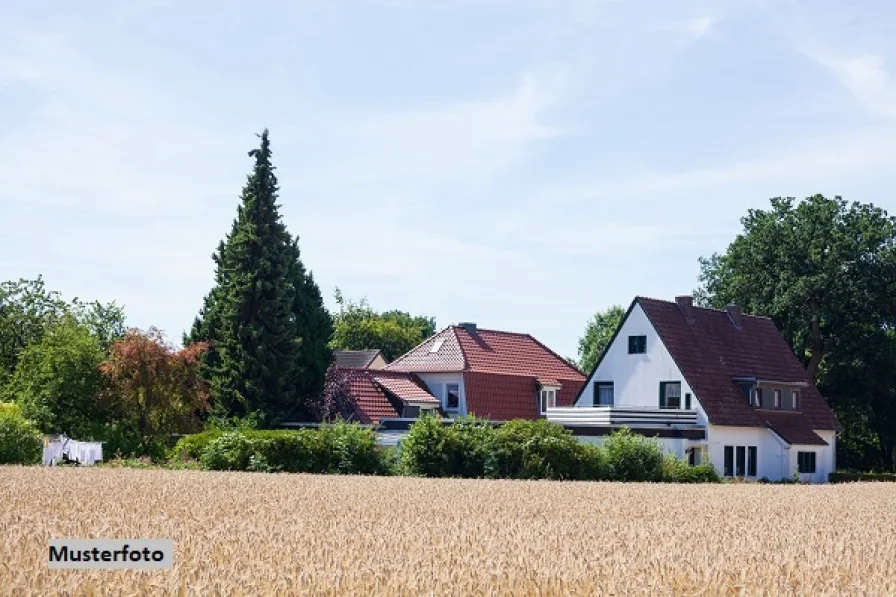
x=547, y=398
x=437, y=345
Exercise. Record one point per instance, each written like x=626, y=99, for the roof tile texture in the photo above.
x=710, y=351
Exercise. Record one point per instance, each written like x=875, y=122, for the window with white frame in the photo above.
x=547, y=398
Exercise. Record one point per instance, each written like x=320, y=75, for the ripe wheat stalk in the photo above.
x=261, y=534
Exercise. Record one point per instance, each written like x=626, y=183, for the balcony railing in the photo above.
x=621, y=415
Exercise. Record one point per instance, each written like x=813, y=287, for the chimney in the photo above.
x=686, y=304
x=734, y=314
x=469, y=326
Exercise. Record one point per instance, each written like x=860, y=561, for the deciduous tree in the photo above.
x=598, y=333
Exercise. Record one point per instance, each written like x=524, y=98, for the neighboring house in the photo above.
x=712, y=385
x=491, y=374
x=359, y=359
x=380, y=395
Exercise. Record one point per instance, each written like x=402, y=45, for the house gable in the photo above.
x=637, y=377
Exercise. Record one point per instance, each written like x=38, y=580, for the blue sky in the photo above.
x=518, y=163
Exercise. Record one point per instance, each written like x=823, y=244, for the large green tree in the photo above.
x=825, y=271
x=264, y=319
x=598, y=332
x=57, y=381
x=358, y=327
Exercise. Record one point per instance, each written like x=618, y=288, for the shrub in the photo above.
x=351, y=450
x=850, y=477
x=192, y=446
x=434, y=449
x=633, y=457
x=339, y=448
x=679, y=471
x=20, y=441
x=233, y=451
x=593, y=465
x=534, y=450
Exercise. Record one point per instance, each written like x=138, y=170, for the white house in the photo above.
x=711, y=385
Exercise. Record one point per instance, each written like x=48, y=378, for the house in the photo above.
x=359, y=359
x=491, y=374
x=713, y=386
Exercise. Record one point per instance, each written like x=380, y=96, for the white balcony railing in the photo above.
x=621, y=415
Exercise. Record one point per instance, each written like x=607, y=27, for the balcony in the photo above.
x=588, y=416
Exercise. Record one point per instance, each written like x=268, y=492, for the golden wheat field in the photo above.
x=265, y=534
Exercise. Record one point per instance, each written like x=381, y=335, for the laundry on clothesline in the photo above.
x=83, y=453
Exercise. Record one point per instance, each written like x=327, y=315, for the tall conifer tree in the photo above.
x=264, y=318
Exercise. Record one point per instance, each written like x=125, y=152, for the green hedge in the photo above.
x=537, y=450
x=339, y=448
x=848, y=477
x=191, y=447
x=20, y=440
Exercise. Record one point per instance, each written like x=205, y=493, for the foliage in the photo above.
x=339, y=448
x=264, y=319
x=534, y=450
x=154, y=386
x=28, y=309
x=338, y=401
x=57, y=380
x=849, y=477
x=20, y=440
x=632, y=457
x=679, y=471
x=192, y=446
x=598, y=333
x=358, y=327
x=122, y=439
x=434, y=449
x=593, y=465
x=825, y=272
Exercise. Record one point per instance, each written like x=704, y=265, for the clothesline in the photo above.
x=84, y=453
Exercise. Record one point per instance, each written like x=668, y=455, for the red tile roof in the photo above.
x=711, y=351
x=406, y=386
x=378, y=394
x=502, y=370
x=792, y=427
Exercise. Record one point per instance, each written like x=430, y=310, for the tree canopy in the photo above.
x=825, y=271
x=598, y=332
x=264, y=319
x=358, y=327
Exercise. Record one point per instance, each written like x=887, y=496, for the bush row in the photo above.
x=537, y=450
x=339, y=448
x=848, y=477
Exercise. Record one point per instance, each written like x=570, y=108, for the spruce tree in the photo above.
x=264, y=317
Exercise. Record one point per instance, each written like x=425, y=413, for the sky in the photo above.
x=520, y=164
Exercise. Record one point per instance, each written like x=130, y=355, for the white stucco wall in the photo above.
x=776, y=459
x=436, y=383
x=636, y=377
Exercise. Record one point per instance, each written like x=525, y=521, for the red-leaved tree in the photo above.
x=154, y=385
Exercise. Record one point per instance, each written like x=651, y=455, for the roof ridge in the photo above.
x=460, y=347
x=416, y=346
x=650, y=298
x=479, y=329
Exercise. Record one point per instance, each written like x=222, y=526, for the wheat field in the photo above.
x=266, y=534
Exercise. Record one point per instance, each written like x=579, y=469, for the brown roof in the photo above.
x=710, y=350
x=354, y=359
x=379, y=394
x=792, y=427
x=502, y=370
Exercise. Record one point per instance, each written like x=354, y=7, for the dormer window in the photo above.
x=547, y=398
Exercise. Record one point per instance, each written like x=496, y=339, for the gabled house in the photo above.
x=491, y=374
x=714, y=386
x=359, y=359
